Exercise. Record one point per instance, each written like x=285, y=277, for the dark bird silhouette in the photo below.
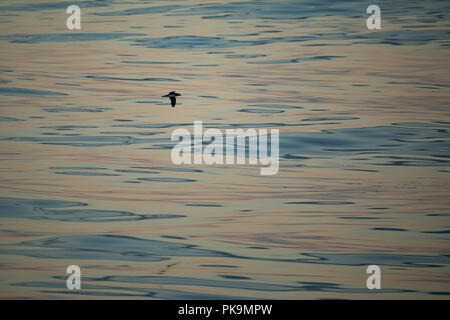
x=172, y=95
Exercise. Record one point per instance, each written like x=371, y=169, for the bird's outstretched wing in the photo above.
x=173, y=101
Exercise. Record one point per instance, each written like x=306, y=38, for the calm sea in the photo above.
x=86, y=176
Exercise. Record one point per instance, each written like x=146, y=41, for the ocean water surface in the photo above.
x=86, y=176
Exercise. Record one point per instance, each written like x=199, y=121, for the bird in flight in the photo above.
x=172, y=95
